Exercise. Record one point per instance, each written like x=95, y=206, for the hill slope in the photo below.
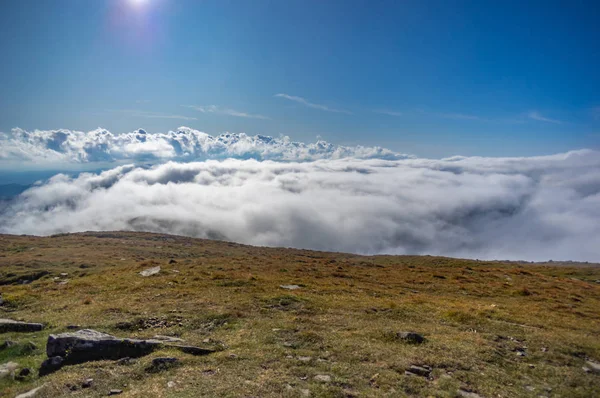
x=492, y=329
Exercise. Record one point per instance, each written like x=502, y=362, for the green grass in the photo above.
x=272, y=342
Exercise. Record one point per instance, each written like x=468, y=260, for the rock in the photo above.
x=115, y=392
x=8, y=325
x=305, y=392
x=51, y=365
x=304, y=359
x=323, y=378
x=32, y=393
x=89, y=345
x=192, y=350
x=126, y=361
x=172, y=261
x=171, y=384
x=468, y=394
x=593, y=366
x=424, y=371
x=73, y=327
x=24, y=372
x=168, y=339
x=87, y=383
x=150, y=271
x=8, y=369
x=410, y=337
x=162, y=363
x=290, y=287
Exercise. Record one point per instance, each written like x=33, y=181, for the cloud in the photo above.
x=535, y=208
x=389, y=113
x=224, y=111
x=187, y=144
x=304, y=102
x=153, y=115
x=539, y=117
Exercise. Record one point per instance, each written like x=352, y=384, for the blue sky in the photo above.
x=424, y=77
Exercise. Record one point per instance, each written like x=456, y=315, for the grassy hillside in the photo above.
x=492, y=329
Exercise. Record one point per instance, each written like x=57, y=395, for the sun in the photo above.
x=137, y=3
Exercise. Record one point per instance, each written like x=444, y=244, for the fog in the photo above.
x=535, y=208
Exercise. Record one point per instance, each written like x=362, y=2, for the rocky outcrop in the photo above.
x=90, y=345
x=9, y=325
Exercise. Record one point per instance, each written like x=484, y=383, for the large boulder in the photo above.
x=89, y=345
x=9, y=325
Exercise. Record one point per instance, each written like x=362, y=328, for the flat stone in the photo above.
x=593, y=366
x=419, y=370
x=32, y=393
x=168, y=339
x=7, y=369
x=9, y=325
x=468, y=394
x=162, y=363
x=90, y=345
x=323, y=378
x=150, y=271
x=115, y=392
x=290, y=287
x=304, y=359
x=192, y=350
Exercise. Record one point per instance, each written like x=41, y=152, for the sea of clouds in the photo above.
x=533, y=208
x=184, y=144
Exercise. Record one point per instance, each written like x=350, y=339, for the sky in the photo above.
x=430, y=78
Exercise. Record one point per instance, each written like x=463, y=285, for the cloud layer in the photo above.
x=183, y=144
x=536, y=208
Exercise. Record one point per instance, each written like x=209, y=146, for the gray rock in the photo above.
x=87, y=383
x=32, y=393
x=468, y=394
x=290, y=287
x=162, y=363
x=192, y=350
x=51, y=365
x=323, y=378
x=115, y=392
x=9, y=325
x=8, y=369
x=424, y=371
x=89, y=345
x=150, y=271
x=410, y=337
x=593, y=366
x=168, y=339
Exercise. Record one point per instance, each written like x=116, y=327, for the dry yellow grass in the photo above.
x=475, y=315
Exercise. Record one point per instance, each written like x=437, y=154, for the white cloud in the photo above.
x=389, y=113
x=540, y=118
x=182, y=144
x=304, y=102
x=225, y=111
x=535, y=208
